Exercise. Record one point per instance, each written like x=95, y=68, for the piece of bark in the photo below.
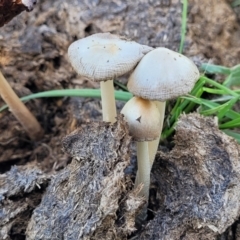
x=90, y=199
x=11, y=8
x=20, y=192
x=197, y=184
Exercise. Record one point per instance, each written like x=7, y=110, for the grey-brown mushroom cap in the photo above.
x=143, y=119
x=104, y=56
x=163, y=74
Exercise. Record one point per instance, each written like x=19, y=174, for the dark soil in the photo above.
x=33, y=58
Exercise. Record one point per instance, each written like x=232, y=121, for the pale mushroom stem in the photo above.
x=143, y=174
x=109, y=111
x=146, y=152
x=153, y=145
x=19, y=110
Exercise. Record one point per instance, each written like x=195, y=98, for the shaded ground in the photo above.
x=33, y=58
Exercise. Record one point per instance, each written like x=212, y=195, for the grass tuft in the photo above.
x=221, y=102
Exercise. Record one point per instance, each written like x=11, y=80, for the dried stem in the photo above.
x=19, y=110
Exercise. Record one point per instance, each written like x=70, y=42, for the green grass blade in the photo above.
x=119, y=84
x=94, y=93
x=214, y=91
x=184, y=25
x=233, y=134
x=165, y=134
x=213, y=69
x=214, y=110
x=220, y=86
x=209, y=104
x=226, y=108
x=230, y=114
x=234, y=78
x=191, y=105
x=192, y=99
x=231, y=124
x=201, y=101
x=222, y=98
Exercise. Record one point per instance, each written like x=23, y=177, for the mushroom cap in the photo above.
x=163, y=74
x=104, y=56
x=143, y=119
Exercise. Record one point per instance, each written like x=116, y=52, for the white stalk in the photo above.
x=143, y=176
x=144, y=168
x=109, y=111
x=153, y=145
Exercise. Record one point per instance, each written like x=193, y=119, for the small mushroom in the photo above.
x=143, y=119
x=161, y=75
x=144, y=123
x=19, y=110
x=102, y=57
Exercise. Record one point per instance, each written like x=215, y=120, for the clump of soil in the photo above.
x=21, y=191
x=196, y=184
x=214, y=31
x=91, y=197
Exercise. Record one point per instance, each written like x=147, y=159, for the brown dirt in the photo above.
x=214, y=31
x=33, y=58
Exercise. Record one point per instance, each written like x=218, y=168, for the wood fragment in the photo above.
x=11, y=8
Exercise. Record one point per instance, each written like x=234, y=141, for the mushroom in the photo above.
x=144, y=123
x=19, y=110
x=161, y=75
x=102, y=57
